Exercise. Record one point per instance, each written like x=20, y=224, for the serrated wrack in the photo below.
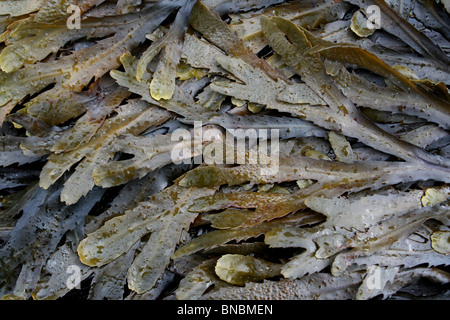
x=164, y=216
x=133, y=118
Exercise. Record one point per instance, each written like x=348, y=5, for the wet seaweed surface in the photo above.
x=224, y=149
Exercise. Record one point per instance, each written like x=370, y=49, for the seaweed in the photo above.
x=182, y=149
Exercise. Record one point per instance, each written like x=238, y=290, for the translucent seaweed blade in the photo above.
x=155, y=256
x=407, y=253
x=366, y=211
x=355, y=55
x=261, y=207
x=219, y=237
x=197, y=281
x=306, y=13
x=180, y=103
x=391, y=280
x=162, y=85
x=137, y=191
x=293, y=43
x=304, y=264
x=217, y=32
x=276, y=30
x=132, y=119
x=259, y=88
x=117, y=235
x=33, y=39
x=151, y=153
x=62, y=260
x=163, y=81
x=199, y=53
x=164, y=216
x=74, y=72
x=383, y=236
x=110, y=282
x=17, y=85
x=368, y=94
x=362, y=212
x=19, y=9
x=86, y=127
x=401, y=28
x=38, y=233
x=355, y=184
x=332, y=176
x=342, y=149
x=239, y=269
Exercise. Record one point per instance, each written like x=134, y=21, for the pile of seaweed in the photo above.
x=351, y=203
